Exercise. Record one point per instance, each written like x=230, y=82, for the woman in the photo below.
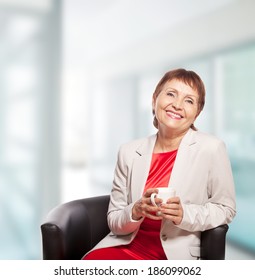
x=195, y=164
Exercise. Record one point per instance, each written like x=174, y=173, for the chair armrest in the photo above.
x=213, y=243
x=73, y=228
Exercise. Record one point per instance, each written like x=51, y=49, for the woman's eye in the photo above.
x=190, y=101
x=171, y=94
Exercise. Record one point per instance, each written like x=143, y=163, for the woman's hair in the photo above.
x=188, y=77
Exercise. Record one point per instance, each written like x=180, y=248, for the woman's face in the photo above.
x=176, y=106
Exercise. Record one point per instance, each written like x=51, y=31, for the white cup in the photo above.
x=164, y=193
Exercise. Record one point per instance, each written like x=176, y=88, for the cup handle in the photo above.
x=153, y=195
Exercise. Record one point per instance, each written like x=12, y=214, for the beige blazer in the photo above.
x=202, y=178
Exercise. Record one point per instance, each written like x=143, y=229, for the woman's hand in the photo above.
x=172, y=210
x=144, y=208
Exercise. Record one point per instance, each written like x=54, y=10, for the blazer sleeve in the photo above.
x=220, y=208
x=120, y=207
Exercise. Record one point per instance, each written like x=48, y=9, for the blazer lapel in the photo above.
x=183, y=159
x=142, y=161
x=141, y=167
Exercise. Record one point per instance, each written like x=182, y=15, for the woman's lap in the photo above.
x=110, y=253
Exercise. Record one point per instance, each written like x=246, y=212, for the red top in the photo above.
x=160, y=170
x=147, y=244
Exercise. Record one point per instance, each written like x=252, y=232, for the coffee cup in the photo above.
x=164, y=193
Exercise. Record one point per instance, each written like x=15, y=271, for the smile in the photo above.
x=174, y=115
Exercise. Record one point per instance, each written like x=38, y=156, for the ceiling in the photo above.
x=97, y=29
x=101, y=28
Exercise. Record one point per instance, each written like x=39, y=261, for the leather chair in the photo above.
x=73, y=228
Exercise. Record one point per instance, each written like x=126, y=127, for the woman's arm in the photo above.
x=120, y=207
x=220, y=208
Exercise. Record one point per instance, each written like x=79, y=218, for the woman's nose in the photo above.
x=177, y=104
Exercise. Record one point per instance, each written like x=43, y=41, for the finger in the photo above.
x=176, y=220
x=148, y=207
x=174, y=199
x=152, y=216
x=150, y=191
x=146, y=201
x=172, y=206
x=158, y=201
x=142, y=208
x=171, y=212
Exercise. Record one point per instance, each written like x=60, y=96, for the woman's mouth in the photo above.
x=174, y=115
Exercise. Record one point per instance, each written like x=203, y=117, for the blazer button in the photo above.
x=164, y=237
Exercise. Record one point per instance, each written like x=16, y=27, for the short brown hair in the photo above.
x=188, y=77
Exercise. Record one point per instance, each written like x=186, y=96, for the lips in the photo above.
x=174, y=115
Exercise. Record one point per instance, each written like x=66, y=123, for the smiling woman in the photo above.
x=174, y=107
x=186, y=93
x=195, y=164
x=177, y=101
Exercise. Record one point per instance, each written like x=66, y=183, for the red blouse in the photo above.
x=147, y=244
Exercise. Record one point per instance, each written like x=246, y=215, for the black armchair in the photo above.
x=73, y=228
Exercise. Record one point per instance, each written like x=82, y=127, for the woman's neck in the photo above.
x=167, y=142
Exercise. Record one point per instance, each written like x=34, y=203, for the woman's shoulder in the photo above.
x=209, y=141
x=135, y=144
x=207, y=137
x=135, y=148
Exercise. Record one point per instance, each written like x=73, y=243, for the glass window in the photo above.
x=238, y=130
x=27, y=137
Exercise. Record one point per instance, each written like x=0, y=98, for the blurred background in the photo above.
x=76, y=81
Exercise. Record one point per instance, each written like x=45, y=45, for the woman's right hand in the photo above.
x=144, y=208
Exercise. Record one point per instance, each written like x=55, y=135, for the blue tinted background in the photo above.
x=76, y=81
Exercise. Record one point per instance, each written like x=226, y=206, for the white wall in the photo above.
x=227, y=27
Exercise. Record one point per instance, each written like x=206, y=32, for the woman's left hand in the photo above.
x=172, y=210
